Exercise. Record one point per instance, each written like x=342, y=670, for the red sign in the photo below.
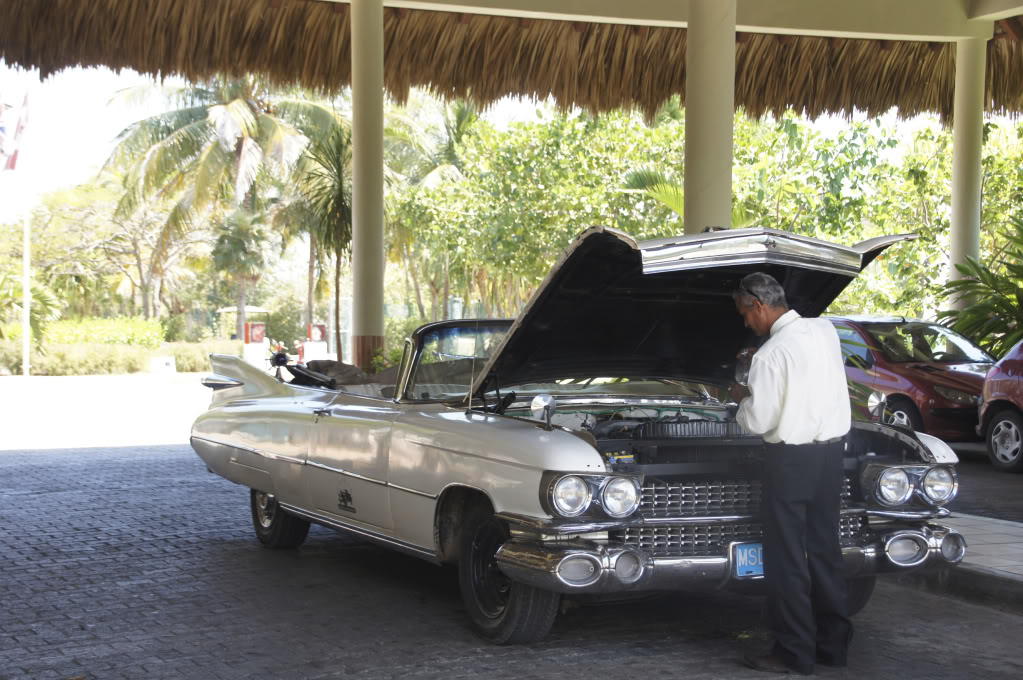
x=255, y=331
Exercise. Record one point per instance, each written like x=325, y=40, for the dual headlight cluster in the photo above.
x=935, y=485
x=574, y=495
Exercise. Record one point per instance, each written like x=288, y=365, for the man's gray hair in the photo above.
x=763, y=287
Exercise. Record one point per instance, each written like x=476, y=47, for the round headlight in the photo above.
x=620, y=497
x=938, y=484
x=571, y=496
x=893, y=486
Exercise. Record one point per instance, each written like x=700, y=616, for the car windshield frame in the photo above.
x=905, y=342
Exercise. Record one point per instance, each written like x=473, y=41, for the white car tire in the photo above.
x=1005, y=441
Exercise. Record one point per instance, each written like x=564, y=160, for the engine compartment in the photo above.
x=705, y=445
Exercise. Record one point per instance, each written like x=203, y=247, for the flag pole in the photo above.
x=26, y=301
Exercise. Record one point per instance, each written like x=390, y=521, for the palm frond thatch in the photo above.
x=483, y=58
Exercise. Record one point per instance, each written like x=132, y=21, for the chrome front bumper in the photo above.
x=584, y=566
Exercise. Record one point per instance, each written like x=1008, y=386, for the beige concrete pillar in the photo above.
x=710, y=107
x=367, y=179
x=967, y=142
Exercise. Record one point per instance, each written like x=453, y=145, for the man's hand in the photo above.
x=737, y=392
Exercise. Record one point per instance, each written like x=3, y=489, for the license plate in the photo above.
x=749, y=560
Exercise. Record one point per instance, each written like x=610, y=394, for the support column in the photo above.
x=710, y=108
x=967, y=143
x=367, y=179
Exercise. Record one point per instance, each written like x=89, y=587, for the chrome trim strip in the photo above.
x=370, y=479
x=431, y=496
x=366, y=533
x=216, y=382
x=263, y=454
x=346, y=473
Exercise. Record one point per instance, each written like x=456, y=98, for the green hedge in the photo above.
x=101, y=359
x=137, y=332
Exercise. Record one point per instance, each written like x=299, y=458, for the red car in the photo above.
x=931, y=376
x=1001, y=407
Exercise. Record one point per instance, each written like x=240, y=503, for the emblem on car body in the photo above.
x=344, y=501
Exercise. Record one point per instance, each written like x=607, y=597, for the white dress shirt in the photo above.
x=798, y=391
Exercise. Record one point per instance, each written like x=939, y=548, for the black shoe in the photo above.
x=769, y=663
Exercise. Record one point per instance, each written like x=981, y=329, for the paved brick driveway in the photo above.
x=137, y=563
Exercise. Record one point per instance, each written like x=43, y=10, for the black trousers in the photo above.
x=803, y=566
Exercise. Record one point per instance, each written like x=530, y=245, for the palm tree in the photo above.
x=45, y=306
x=668, y=191
x=210, y=156
x=241, y=252
x=327, y=189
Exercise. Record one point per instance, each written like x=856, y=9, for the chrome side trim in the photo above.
x=346, y=473
x=365, y=533
x=370, y=480
x=412, y=491
x=215, y=382
x=264, y=454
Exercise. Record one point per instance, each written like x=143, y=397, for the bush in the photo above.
x=195, y=357
x=103, y=359
x=134, y=331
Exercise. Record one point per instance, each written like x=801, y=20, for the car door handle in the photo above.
x=321, y=412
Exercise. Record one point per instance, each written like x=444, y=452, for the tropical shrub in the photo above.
x=993, y=317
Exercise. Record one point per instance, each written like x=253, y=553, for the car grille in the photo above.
x=710, y=539
x=703, y=498
x=686, y=499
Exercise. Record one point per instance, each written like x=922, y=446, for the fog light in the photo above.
x=579, y=570
x=906, y=550
x=628, y=567
x=953, y=547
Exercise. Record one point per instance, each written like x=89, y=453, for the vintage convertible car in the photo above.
x=582, y=449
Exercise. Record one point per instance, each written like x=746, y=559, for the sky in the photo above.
x=69, y=132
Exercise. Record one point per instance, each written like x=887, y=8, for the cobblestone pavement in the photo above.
x=137, y=563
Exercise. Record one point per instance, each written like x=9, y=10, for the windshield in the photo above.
x=618, y=386
x=451, y=357
x=918, y=341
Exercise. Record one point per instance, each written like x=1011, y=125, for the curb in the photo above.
x=971, y=582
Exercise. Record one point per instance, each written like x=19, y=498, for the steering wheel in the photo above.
x=939, y=356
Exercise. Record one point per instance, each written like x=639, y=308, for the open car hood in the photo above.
x=612, y=306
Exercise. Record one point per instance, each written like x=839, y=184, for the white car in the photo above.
x=583, y=448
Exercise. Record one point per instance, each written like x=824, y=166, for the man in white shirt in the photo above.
x=798, y=401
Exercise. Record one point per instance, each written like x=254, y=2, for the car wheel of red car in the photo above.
x=1005, y=441
x=504, y=611
x=275, y=528
x=902, y=413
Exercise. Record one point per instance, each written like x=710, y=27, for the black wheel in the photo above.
x=1005, y=441
x=275, y=528
x=902, y=412
x=503, y=611
x=859, y=591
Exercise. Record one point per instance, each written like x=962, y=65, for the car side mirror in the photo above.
x=543, y=406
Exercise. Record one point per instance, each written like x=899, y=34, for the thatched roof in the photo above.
x=595, y=66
